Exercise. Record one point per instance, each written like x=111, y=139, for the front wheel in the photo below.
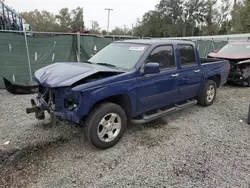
x=105, y=125
x=208, y=94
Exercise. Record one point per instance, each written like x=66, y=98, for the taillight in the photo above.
x=228, y=67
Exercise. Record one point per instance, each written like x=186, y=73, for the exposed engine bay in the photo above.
x=50, y=99
x=49, y=94
x=94, y=77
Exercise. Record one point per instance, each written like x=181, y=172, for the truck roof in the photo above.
x=155, y=41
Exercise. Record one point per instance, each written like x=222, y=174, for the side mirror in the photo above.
x=151, y=68
x=216, y=51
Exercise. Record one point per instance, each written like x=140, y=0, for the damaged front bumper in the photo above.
x=239, y=72
x=40, y=112
x=238, y=77
x=41, y=106
x=235, y=77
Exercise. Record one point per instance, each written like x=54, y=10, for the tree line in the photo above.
x=180, y=18
x=169, y=18
x=66, y=21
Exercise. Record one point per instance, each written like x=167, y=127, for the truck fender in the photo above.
x=106, y=92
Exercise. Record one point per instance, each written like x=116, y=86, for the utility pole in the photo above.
x=82, y=20
x=132, y=29
x=92, y=26
x=108, y=9
x=124, y=29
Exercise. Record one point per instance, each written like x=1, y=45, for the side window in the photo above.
x=164, y=55
x=187, y=55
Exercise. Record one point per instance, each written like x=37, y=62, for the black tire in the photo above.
x=93, y=120
x=202, y=99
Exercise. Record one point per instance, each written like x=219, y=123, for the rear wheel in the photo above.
x=208, y=94
x=105, y=125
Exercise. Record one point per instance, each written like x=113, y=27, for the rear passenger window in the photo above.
x=187, y=55
x=164, y=55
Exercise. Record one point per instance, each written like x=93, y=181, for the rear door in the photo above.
x=158, y=90
x=190, y=75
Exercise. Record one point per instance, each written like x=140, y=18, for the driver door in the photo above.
x=158, y=90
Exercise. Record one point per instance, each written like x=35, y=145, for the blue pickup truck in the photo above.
x=132, y=80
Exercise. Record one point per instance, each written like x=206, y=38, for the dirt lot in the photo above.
x=197, y=147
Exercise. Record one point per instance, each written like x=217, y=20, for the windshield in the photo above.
x=121, y=55
x=238, y=49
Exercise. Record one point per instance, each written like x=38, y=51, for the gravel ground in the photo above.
x=197, y=147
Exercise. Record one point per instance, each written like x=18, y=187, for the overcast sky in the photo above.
x=125, y=11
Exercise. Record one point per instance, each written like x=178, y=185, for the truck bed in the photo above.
x=211, y=66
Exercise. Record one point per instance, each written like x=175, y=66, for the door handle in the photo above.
x=196, y=71
x=175, y=75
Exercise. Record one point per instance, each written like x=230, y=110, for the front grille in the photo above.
x=57, y=96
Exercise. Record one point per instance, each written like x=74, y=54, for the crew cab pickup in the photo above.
x=132, y=80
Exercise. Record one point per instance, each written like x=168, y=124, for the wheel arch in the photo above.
x=123, y=100
x=216, y=79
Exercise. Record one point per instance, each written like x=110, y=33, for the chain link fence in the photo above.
x=21, y=54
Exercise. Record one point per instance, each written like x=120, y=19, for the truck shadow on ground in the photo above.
x=21, y=164
x=234, y=85
x=15, y=155
x=153, y=133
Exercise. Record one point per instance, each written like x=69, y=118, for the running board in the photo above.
x=161, y=113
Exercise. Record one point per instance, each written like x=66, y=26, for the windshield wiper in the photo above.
x=106, y=64
x=88, y=62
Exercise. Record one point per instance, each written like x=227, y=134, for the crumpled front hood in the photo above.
x=66, y=74
x=233, y=56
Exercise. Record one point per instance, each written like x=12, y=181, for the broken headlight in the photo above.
x=70, y=104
